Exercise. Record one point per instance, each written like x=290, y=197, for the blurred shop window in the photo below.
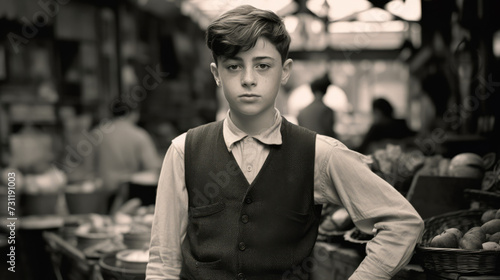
x=30, y=65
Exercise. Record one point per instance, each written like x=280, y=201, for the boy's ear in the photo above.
x=287, y=70
x=215, y=72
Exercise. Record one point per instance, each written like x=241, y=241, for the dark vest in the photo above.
x=236, y=230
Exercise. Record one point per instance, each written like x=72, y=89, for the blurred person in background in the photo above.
x=125, y=149
x=317, y=116
x=385, y=128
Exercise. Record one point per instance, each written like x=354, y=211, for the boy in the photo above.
x=241, y=198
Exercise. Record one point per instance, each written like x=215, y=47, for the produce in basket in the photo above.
x=491, y=227
x=472, y=239
x=488, y=215
x=491, y=246
x=481, y=261
x=494, y=237
x=447, y=239
x=458, y=233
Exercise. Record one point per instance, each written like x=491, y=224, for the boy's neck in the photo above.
x=253, y=125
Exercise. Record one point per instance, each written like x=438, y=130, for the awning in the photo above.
x=204, y=12
x=320, y=24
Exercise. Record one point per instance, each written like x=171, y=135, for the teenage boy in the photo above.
x=241, y=198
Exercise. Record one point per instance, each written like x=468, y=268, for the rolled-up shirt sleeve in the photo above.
x=170, y=219
x=343, y=177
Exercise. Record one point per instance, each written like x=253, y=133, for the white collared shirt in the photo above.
x=251, y=152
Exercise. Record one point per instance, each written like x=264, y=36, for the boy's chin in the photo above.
x=245, y=114
x=249, y=112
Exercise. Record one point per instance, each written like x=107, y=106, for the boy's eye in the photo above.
x=263, y=66
x=232, y=67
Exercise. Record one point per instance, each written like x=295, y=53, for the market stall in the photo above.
x=438, y=62
x=456, y=193
x=92, y=246
x=458, y=198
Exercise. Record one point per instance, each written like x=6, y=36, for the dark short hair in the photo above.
x=240, y=28
x=383, y=106
x=321, y=84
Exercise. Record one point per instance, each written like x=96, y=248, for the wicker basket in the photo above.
x=485, y=198
x=456, y=260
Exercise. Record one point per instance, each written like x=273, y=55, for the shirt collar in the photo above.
x=271, y=136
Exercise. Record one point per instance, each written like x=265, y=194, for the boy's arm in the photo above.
x=345, y=178
x=170, y=220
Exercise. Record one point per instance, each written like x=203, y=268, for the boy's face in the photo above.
x=251, y=80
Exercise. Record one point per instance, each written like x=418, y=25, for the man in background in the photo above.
x=317, y=116
x=385, y=128
x=125, y=149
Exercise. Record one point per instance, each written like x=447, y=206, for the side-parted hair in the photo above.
x=240, y=28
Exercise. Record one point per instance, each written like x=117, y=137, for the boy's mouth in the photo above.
x=249, y=95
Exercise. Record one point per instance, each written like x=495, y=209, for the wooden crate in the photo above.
x=434, y=195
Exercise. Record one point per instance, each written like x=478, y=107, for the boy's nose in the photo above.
x=248, y=78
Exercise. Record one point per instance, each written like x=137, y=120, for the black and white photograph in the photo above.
x=250, y=139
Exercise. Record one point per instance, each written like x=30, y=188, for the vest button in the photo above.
x=244, y=219
x=241, y=276
x=242, y=246
x=248, y=200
